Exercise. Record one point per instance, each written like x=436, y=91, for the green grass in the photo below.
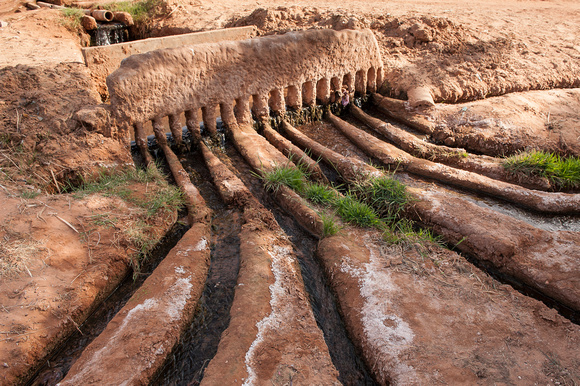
x=405, y=231
x=355, y=212
x=564, y=173
x=72, y=19
x=320, y=194
x=30, y=194
x=376, y=202
x=386, y=195
x=330, y=226
x=109, y=183
x=141, y=11
x=159, y=197
x=287, y=175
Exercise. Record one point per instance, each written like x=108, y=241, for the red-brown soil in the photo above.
x=423, y=316
x=471, y=329
x=53, y=276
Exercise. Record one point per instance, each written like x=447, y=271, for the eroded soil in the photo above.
x=461, y=52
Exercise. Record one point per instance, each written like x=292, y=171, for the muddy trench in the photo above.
x=552, y=223
x=56, y=367
x=473, y=277
x=199, y=342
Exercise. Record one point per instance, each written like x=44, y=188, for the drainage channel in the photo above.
x=344, y=356
x=321, y=130
x=199, y=343
x=59, y=364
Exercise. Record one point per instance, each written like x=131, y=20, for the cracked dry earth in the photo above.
x=255, y=291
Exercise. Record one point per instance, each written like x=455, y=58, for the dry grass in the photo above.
x=16, y=255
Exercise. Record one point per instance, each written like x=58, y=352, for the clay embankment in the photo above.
x=137, y=340
x=68, y=272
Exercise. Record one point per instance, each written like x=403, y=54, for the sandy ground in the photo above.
x=460, y=50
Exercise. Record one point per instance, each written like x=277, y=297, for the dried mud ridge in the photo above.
x=416, y=314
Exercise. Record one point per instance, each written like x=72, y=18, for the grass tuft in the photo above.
x=330, y=226
x=320, y=194
x=111, y=183
x=355, y=212
x=160, y=197
x=140, y=10
x=564, y=173
x=72, y=19
x=287, y=175
x=405, y=232
x=376, y=202
x=385, y=194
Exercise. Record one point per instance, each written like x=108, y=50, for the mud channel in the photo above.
x=286, y=265
x=199, y=342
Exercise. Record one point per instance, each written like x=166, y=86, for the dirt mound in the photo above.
x=457, y=62
x=283, y=19
x=40, y=136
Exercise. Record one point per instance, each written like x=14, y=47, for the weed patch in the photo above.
x=564, y=173
x=320, y=194
x=329, y=226
x=376, y=202
x=72, y=19
x=385, y=194
x=405, y=231
x=292, y=177
x=355, y=212
x=163, y=197
x=142, y=13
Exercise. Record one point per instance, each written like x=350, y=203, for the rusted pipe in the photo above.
x=48, y=5
x=102, y=15
x=420, y=97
